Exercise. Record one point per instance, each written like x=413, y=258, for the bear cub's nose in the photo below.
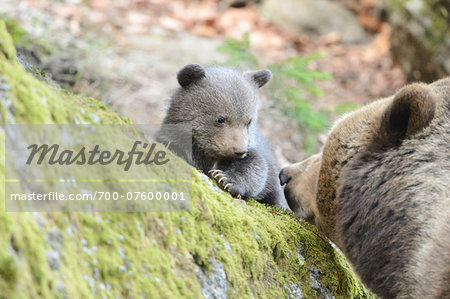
x=240, y=153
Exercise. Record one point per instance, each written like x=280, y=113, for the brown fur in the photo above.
x=382, y=191
x=305, y=187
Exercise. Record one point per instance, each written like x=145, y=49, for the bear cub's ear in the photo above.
x=189, y=74
x=411, y=111
x=259, y=77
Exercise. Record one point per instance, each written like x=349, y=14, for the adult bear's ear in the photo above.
x=412, y=110
x=189, y=74
x=259, y=77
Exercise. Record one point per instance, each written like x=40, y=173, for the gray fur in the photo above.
x=234, y=153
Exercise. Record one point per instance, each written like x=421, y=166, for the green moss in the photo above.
x=17, y=33
x=7, y=48
x=152, y=255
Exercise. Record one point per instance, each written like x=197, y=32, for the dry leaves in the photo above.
x=362, y=72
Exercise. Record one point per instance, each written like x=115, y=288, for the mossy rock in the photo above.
x=420, y=39
x=222, y=248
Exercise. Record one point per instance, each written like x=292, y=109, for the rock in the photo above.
x=214, y=284
x=294, y=291
x=220, y=249
x=317, y=286
x=420, y=39
x=315, y=18
x=225, y=4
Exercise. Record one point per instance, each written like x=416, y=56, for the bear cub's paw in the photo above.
x=226, y=182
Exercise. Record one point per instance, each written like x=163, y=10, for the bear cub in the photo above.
x=219, y=106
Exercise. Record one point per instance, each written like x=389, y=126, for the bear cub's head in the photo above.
x=220, y=104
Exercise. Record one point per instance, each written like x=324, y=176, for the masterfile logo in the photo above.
x=53, y=155
x=102, y=168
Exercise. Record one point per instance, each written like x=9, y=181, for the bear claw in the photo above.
x=214, y=172
x=227, y=187
x=221, y=179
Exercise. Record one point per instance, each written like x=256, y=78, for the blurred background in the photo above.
x=328, y=56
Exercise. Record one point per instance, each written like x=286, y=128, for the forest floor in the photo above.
x=127, y=52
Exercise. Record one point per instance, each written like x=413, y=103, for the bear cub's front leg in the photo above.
x=245, y=177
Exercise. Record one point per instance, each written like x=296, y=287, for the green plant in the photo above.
x=345, y=107
x=239, y=52
x=292, y=88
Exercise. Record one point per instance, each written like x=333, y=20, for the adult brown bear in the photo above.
x=380, y=190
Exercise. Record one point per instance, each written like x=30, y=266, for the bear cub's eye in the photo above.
x=249, y=122
x=220, y=120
